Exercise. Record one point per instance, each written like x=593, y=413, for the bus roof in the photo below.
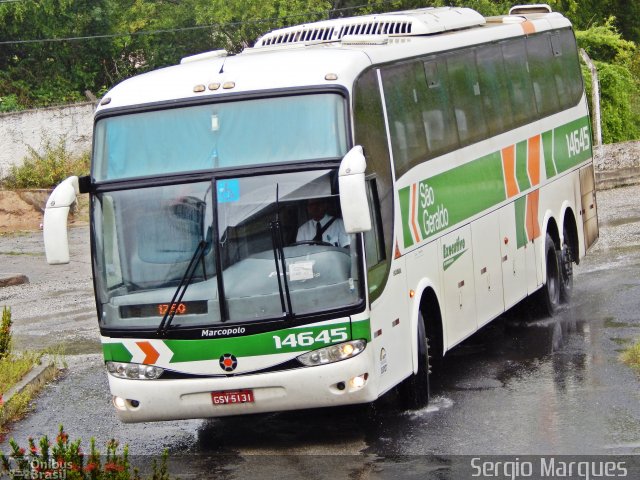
x=327, y=53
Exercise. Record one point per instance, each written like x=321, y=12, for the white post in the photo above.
x=595, y=100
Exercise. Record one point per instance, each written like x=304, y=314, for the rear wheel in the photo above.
x=566, y=269
x=551, y=290
x=415, y=389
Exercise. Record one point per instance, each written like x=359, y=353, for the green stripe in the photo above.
x=572, y=144
x=521, y=210
x=522, y=175
x=116, y=352
x=547, y=145
x=476, y=186
x=261, y=343
x=451, y=260
x=361, y=329
x=404, y=196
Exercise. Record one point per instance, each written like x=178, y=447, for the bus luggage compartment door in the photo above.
x=589, y=210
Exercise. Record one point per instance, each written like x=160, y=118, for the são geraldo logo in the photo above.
x=434, y=218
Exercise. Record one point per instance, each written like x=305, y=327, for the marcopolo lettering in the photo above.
x=223, y=332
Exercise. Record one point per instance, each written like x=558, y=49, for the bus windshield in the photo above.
x=230, y=134
x=256, y=256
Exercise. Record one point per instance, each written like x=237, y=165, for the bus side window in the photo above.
x=566, y=68
x=520, y=88
x=405, y=93
x=374, y=238
x=467, y=101
x=370, y=132
x=495, y=89
x=437, y=115
x=541, y=58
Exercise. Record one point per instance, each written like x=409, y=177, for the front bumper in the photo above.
x=309, y=387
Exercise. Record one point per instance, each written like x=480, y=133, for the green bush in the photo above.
x=48, y=169
x=5, y=333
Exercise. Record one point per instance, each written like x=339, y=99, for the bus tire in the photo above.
x=551, y=289
x=414, y=390
x=566, y=269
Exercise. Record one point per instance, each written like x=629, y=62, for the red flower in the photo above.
x=90, y=467
x=113, y=467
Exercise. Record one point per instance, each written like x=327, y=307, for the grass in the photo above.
x=631, y=356
x=14, y=367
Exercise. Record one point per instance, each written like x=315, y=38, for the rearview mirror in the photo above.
x=56, y=242
x=353, y=192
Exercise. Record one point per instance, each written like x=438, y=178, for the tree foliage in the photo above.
x=615, y=59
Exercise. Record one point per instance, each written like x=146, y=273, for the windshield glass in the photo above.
x=276, y=262
x=230, y=134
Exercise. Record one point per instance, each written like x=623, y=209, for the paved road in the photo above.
x=547, y=386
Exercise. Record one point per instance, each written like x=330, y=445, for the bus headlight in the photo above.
x=334, y=353
x=134, y=371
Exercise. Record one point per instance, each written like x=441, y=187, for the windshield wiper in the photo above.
x=163, y=328
x=278, y=256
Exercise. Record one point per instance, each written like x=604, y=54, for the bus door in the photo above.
x=589, y=208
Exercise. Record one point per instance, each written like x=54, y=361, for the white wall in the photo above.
x=33, y=127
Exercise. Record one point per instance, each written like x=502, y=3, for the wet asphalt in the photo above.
x=524, y=385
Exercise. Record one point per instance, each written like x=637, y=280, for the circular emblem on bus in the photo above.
x=228, y=362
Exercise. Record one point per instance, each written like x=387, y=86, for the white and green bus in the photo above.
x=452, y=150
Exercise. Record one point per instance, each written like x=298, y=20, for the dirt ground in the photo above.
x=23, y=210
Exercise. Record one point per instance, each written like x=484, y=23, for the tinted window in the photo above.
x=405, y=90
x=370, y=132
x=467, y=102
x=541, y=67
x=495, y=89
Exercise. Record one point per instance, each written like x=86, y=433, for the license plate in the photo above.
x=232, y=396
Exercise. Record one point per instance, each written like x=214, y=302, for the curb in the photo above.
x=37, y=376
x=621, y=177
x=10, y=279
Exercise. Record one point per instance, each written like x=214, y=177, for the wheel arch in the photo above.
x=428, y=304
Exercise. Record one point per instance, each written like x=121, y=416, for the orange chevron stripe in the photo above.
x=509, y=168
x=528, y=28
x=151, y=353
x=533, y=160
x=533, y=229
x=414, y=227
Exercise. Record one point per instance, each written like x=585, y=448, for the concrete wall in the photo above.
x=32, y=127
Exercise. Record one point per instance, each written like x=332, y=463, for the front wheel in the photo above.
x=551, y=290
x=415, y=390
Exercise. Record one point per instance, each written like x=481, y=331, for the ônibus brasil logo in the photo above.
x=228, y=362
